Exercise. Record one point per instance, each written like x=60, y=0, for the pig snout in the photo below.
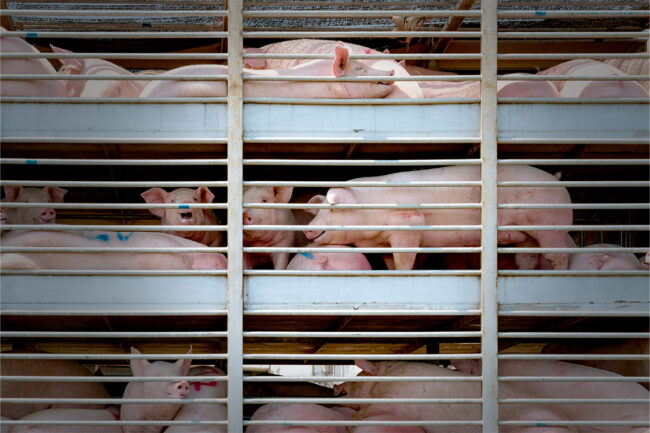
x=179, y=389
x=312, y=234
x=46, y=216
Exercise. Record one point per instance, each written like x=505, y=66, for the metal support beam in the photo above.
x=235, y=240
x=489, y=316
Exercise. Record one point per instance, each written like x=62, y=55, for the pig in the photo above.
x=629, y=346
x=505, y=89
x=31, y=66
x=593, y=89
x=112, y=261
x=603, y=261
x=341, y=66
x=387, y=428
x=203, y=411
x=46, y=389
x=418, y=195
x=97, y=88
x=297, y=412
x=19, y=194
x=633, y=67
x=401, y=89
x=322, y=260
x=185, y=216
x=269, y=238
x=436, y=389
x=109, y=414
x=578, y=390
x=173, y=391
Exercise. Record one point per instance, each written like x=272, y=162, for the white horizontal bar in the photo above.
x=578, y=183
x=368, y=13
x=573, y=206
x=361, y=422
x=113, y=379
x=127, y=162
x=364, y=162
x=575, y=356
x=98, y=334
x=589, y=162
x=573, y=401
x=112, y=423
x=100, y=13
x=118, y=35
x=360, y=334
x=420, y=272
x=343, y=400
x=573, y=378
x=631, y=227
x=110, y=356
x=368, y=356
x=576, y=423
x=358, y=34
x=114, y=184
x=574, y=335
x=114, y=272
x=17, y=205
x=359, y=378
x=111, y=250
x=553, y=56
x=571, y=35
x=572, y=77
x=352, y=183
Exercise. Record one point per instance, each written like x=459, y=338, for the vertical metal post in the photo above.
x=489, y=316
x=235, y=240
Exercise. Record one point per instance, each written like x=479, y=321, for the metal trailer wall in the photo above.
x=237, y=317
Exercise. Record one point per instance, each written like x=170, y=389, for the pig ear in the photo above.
x=341, y=196
x=155, y=195
x=55, y=193
x=367, y=366
x=402, y=63
x=75, y=64
x=185, y=364
x=282, y=193
x=138, y=366
x=205, y=195
x=317, y=199
x=12, y=192
x=341, y=60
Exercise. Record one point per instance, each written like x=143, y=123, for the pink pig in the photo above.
x=297, y=412
x=203, y=411
x=401, y=89
x=339, y=67
x=97, y=88
x=185, y=216
x=605, y=261
x=387, y=428
x=167, y=390
x=109, y=414
x=100, y=260
x=31, y=66
x=577, y=390
x=436, y=389
x=44, y=215
x=322, y=260
x=269, y=238
x=45, y=389
x=593, y=89
x=441, y=217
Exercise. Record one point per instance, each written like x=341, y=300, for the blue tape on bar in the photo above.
x=540, y=13
x=183, y=206
x=32, y=35
x=31, y=162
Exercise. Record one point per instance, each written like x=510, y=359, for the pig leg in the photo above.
x=405, y=239
x=280, y=260
x=553, y=239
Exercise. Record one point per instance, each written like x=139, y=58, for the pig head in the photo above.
x=203, y=411
x=97, y=88
x=174, y=390
x=40, y=215
x=265, y=216
x=184, y=215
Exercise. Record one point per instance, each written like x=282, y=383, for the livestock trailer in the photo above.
x=461, y=300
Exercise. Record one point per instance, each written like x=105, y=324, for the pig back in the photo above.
x=45, y=389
